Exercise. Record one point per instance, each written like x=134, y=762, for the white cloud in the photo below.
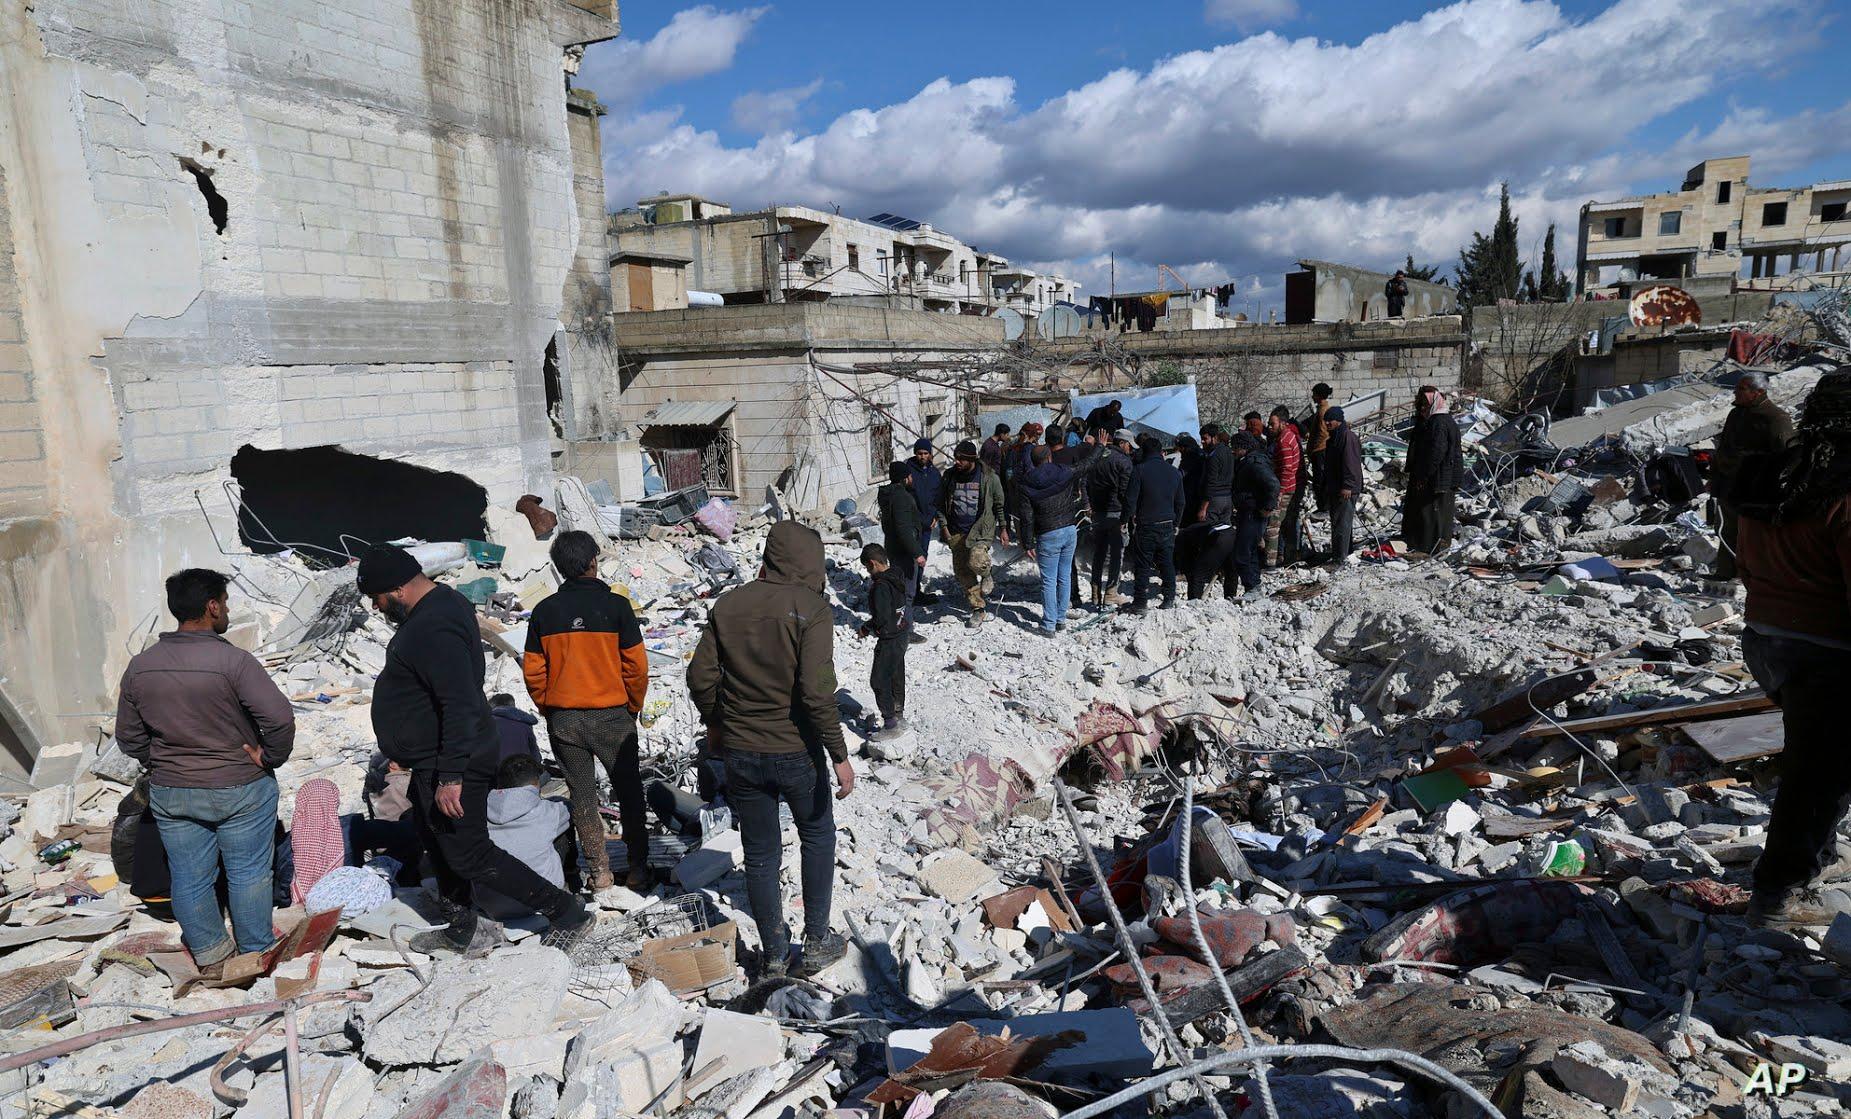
x=1242, y=157
x=1250, y=15
x=773, y=110
x=697, y=42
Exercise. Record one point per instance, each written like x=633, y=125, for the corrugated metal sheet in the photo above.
x=689, y=413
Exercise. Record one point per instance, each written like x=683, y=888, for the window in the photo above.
x=1719, y=242
x=880, y=446
x=1774, y=213
x=1616, y=227
x=854, y=256
x=1671, y=223
x=1722, y=191
x=1832, y=211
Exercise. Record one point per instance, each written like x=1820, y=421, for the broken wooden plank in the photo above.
x=1731, y=741
x=1748, y=704
x=1516, y=707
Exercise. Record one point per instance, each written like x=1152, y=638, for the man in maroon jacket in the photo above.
x=1795, y=560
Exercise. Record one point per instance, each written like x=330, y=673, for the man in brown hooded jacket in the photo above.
x=763, y=679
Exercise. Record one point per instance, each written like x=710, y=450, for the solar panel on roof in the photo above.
x=894, y=221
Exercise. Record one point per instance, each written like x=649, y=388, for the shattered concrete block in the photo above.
x=1837, y=944
x=535, y=1055
x=649, y=1014
x=1458, y=818
x=733, y=1044
x=1822, y=1056
x=349, y=1098
x=1583, y=1069
x=1542, y=1100
x=958, y=877
x=477, y=1090
x=716, y=858
x=625, y=1083
x=469, y=1004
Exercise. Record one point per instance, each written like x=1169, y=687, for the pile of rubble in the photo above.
x=1492, y=816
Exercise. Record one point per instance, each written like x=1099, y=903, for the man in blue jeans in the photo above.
x=763, y=679
x=211, y=727
x=1048, y=511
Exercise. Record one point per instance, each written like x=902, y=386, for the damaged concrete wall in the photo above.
x=287, y=225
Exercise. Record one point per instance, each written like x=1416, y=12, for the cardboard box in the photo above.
x=689, y=963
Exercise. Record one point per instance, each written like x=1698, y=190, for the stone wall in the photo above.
x=283, y=223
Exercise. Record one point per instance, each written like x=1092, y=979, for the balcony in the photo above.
x=804, y=271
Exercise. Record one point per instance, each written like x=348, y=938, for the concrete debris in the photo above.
x=467, y=1004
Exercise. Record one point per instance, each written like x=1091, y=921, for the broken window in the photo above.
x=1669, y=224
x=693, y=455
x=1832, y=211
x=217, y=208
x=328, y=503
x=1722, y=191
x=1616, y=227
x=1719, y=242
x=854, y=257
x=1774, y=213
x=880, y=447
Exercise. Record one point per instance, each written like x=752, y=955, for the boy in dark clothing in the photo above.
x=888, y=625
x=900, y=525
x=515, y=728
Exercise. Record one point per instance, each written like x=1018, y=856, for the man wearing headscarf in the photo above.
x=1434, y=466
x=1795, y=540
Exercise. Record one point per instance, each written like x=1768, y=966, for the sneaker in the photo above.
x=1135, y=609
x=975, y=621
x=641, y=879
x=1804, y=907
x=774, y=965
x=1044, y=631
x=1169, y=604
x=819, y=953
x=894, y=729
x=569, y=929
x=1060, y=627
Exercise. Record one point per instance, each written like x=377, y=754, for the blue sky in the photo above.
x=1226, y=138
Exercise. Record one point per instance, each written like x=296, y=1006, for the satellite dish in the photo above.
x=1664, y=305
x=1012, y=323
x=1059, y=322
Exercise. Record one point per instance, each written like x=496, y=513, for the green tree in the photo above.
x=1427, y=272
x=1553, y=286
x=1167, y=373
x=1490, y=268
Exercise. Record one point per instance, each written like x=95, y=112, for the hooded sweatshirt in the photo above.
x=516, y=730
x=524, y=824
x=763, y=676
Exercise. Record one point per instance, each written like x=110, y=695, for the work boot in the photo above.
x=1806, y=907
x=819, y=953
x=641, y=879
x=894, y=728
x=569, y=928
x=1133, y=608
x=774, y=962
x=1168, y=604
x=975, y=621
x=467, y=935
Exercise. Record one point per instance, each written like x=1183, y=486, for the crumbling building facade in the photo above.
x=278, y=226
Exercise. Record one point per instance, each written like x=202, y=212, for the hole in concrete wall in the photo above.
x=216, y=206
x=307, y=499
x=555, y=393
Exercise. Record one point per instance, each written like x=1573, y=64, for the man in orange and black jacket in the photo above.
x=588, y=673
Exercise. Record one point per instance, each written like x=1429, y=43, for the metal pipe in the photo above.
x=1125, y=945
x=1285, y=1052
x=180, y=1021
x=292, y=1062
x=1208, y=956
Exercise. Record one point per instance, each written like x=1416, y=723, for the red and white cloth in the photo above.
x=316, y=841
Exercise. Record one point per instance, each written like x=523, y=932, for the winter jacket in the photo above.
x=926, y=483
x=1218, y=473
x=1048, y=497
x=524, y=824
x=1288, y=458
x=1798, y=574
x=1155, y=493
x=1191, y=464
x=1435, y=461
x=1106, y=486
x=988, y=498
x=1760, y=428
x=901, y=525
x=1343, y=462
x=191, y=702
x=428, y=706
x=1255, y=489
x=763, y=675
x=991, y=453
x=1317, y=432
x=516, y=730
x=585, y=650
x=887, y=604
x=1105, y=418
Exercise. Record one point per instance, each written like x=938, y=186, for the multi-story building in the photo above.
x=795, y=253
x=1717, y=227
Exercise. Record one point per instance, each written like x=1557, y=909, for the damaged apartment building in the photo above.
x=234, y=237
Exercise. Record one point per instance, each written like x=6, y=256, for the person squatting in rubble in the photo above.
x=1282, y=524
x=763, y=680
x=1755, y=426
x=901, y=527
x=588, y=673
x=1255, y=495
x=1795, y=562
x=1048, y=515
x=431, y=717
x=211, y=727
x=1106, y=488
x=535, y=829
x=1342, y=481
x=1204, y=550
x=971, y=504
x=888, y=625
x=926, y=483
x=1435, y=466
x=514, y=727
x=1154, y=507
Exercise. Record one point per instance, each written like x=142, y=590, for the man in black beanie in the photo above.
x=431, y=717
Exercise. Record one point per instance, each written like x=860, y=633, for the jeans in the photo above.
x=755, y=782
x=1282, y=529
x=1054, y=555
x=1342, y=526
x=1807, y=680
x=1153, y=550
x=202, y=828
x=583, y=740
x=1108, y=553
x=463, y=856
x=1244, y=564
x=889, y=676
